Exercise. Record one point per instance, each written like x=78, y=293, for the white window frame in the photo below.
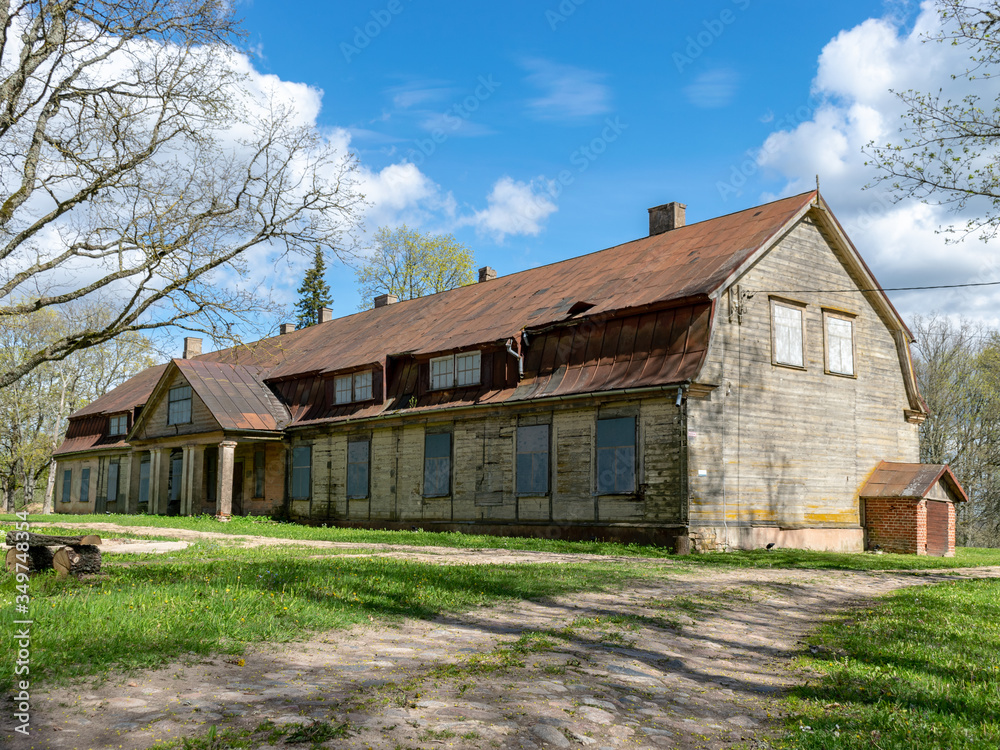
x=351, y=388
x=799, y=308
x=844, y=317
x=449, y=372
x=121, y=419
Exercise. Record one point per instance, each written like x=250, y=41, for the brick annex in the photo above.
x=724, y=384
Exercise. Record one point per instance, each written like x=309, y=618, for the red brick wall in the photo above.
x=897, y=525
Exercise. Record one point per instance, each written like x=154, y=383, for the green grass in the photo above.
x=919, y=669
x=965, y=557
x=261, y=526
x=145, y=615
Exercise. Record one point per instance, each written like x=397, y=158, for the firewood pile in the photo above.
x=68, y=555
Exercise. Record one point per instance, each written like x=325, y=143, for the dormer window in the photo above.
x=455, y=371
x=118, y=425
x=354, y=387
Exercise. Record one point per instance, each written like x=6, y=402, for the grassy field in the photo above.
x=919, y=669
x=257, y=526
x=216, y=599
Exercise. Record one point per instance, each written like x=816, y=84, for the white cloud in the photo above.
x=514, y=208
x=855, y=73
x=712, y=89
x=568, y=92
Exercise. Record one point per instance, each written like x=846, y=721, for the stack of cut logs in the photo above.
x=72, y=554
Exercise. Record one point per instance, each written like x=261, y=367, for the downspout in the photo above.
x=520, y=359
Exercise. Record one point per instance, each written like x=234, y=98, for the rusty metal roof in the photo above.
x=909, y=480
x=622, y=291
x=235, y=394
x=130, y=394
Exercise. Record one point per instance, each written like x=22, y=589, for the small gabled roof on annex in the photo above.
x=903, y=480
x=132, y=393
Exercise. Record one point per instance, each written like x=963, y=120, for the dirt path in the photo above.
x=692, y=661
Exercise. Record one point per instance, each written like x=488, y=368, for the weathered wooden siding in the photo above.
x=155, y=422
x=774, y=445
x=483, y=468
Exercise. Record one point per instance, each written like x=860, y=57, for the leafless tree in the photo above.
x=138, y=168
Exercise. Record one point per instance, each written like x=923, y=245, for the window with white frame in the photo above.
x=118, y=425
x=456, y=370
x=363, y=385
x=786, y=334
x=839, y=330
x=356, y=387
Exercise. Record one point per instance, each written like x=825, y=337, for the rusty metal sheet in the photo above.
x=689, y=263
x=907, y=480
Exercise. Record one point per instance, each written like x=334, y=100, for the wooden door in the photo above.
x=937, y=528
x=238, y=488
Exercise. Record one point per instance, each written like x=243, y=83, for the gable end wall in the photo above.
x=790, y=448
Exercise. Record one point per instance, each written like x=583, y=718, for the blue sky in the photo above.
x=536, y=131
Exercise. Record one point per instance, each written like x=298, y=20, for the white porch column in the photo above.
x=227, y=449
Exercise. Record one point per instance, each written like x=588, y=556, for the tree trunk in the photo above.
x=50, y=485
x=37, y=558
x=44, y=540
x=77, y=560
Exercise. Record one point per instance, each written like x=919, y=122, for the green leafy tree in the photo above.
x=947, y=150
x=314, y=292
x=409, y=264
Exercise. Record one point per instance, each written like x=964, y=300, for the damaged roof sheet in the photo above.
x=904, y=480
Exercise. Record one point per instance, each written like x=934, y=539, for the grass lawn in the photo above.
x=782, y=558
x=919, y=669
x=213, y=598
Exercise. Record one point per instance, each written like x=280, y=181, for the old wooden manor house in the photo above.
x=732, y=383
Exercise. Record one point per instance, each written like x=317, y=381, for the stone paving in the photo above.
x=693, y=661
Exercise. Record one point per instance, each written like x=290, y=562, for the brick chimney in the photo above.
x=325, y=315
x=666, y=217
x=192, y=347
x=386, y=299
x=286, y=328
x=487, y=274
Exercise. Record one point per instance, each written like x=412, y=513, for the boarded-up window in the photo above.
x=85, y=486
x=437, y=464
x=839, y=345
x=258, y=473
x=786, y=323
x=179, y=405
x=467, y=368
x=176, y=477
x=357, y=469
x=301, y=472
x=112, y=481
x=67, y=485
x=144, y=479
x=442, y=372
x=616, y=455
x=533, y=460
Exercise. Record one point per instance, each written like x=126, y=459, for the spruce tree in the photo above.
x=314, y=293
